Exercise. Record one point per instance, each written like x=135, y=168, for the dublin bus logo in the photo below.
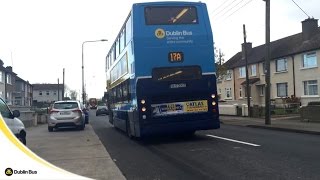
x=159, y=33
x=8, y=171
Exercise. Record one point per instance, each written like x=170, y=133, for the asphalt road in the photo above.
x=232, y=152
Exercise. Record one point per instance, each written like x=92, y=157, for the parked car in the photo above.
x=67, y=113
x=102, y=110
x=11, y=119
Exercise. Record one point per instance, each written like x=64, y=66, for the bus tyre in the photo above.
x=128, y=130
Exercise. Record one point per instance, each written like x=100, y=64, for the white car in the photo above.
x=11, y=119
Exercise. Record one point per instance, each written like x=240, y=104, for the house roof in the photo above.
x=280, y=48
x=44, y=87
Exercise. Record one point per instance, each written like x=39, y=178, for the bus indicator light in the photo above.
x=175, y=56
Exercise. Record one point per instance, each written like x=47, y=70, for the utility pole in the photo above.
x=63, y=85
x=247, y=72
x=58, y=90
x=267, y=65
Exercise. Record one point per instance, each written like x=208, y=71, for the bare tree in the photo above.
x=221, y=70
x=73, y=94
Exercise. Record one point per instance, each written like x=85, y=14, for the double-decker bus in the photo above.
x=160, y=71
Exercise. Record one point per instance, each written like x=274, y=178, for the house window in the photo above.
x=264, y=68
x=219, y=91
x=228, y=93
x=253, y=70
x=9, y=79
x=310, y=87
x=242, y=72
x=228, y=75
x=40, y=93
x=281, y=65
x=240, y=92
x=54, y=92
x=262, y=90
x=47, y=93
x=1, y=94
x=282, y=89
x=309, y=60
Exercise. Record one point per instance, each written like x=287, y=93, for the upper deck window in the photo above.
x=171, y=15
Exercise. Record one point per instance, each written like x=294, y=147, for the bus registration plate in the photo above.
x=175, y=108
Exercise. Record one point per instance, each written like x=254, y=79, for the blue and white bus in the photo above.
x=160, y=71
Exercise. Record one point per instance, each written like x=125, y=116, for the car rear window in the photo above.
x=65, y=105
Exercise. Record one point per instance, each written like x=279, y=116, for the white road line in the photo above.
x=227, y=139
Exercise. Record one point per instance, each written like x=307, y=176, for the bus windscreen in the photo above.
x=171, y=15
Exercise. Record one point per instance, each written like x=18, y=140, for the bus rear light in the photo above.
x=214, y=110
x=143, y=109
x=213, y=96
x=143, y=101
x=214, y=103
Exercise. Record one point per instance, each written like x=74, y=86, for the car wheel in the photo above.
x=22, y=137
x=81, y=127
x=50, y=129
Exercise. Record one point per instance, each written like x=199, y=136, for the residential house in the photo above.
x=47, y=93
x=10, y=79
x=2, y=80
x=294, y=69
x=23, y=92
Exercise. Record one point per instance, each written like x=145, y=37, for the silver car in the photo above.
x=66, y=114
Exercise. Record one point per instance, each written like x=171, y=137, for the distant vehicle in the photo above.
x=66, y=114
x=160, y=71
x=93, y=103
x=102, y=110
x=11, y=119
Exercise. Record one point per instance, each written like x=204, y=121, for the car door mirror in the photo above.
x=16, y=113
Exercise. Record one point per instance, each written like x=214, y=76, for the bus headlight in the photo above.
x=143, y=109
x=214, y=103
x=213, y=96
x=143, y=101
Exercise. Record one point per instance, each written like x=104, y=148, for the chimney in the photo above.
x=309, y=28
x=9, y=68
x=248, y=48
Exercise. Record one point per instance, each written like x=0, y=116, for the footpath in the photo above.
x=79, y=152
x=285, y=123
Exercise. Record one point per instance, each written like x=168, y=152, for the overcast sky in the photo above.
x=41, y=37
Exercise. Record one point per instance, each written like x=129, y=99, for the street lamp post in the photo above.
x=83, y=89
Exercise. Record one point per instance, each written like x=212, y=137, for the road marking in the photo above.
x=232, y=140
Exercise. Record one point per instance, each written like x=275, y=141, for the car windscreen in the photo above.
x=170, y=15
x=66, y=105
x=176, y=73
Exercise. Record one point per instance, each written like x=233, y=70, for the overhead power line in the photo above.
x=301, y=9
x=224, y=8
x=219, y=7
x=237, y=9
x=229, y=10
